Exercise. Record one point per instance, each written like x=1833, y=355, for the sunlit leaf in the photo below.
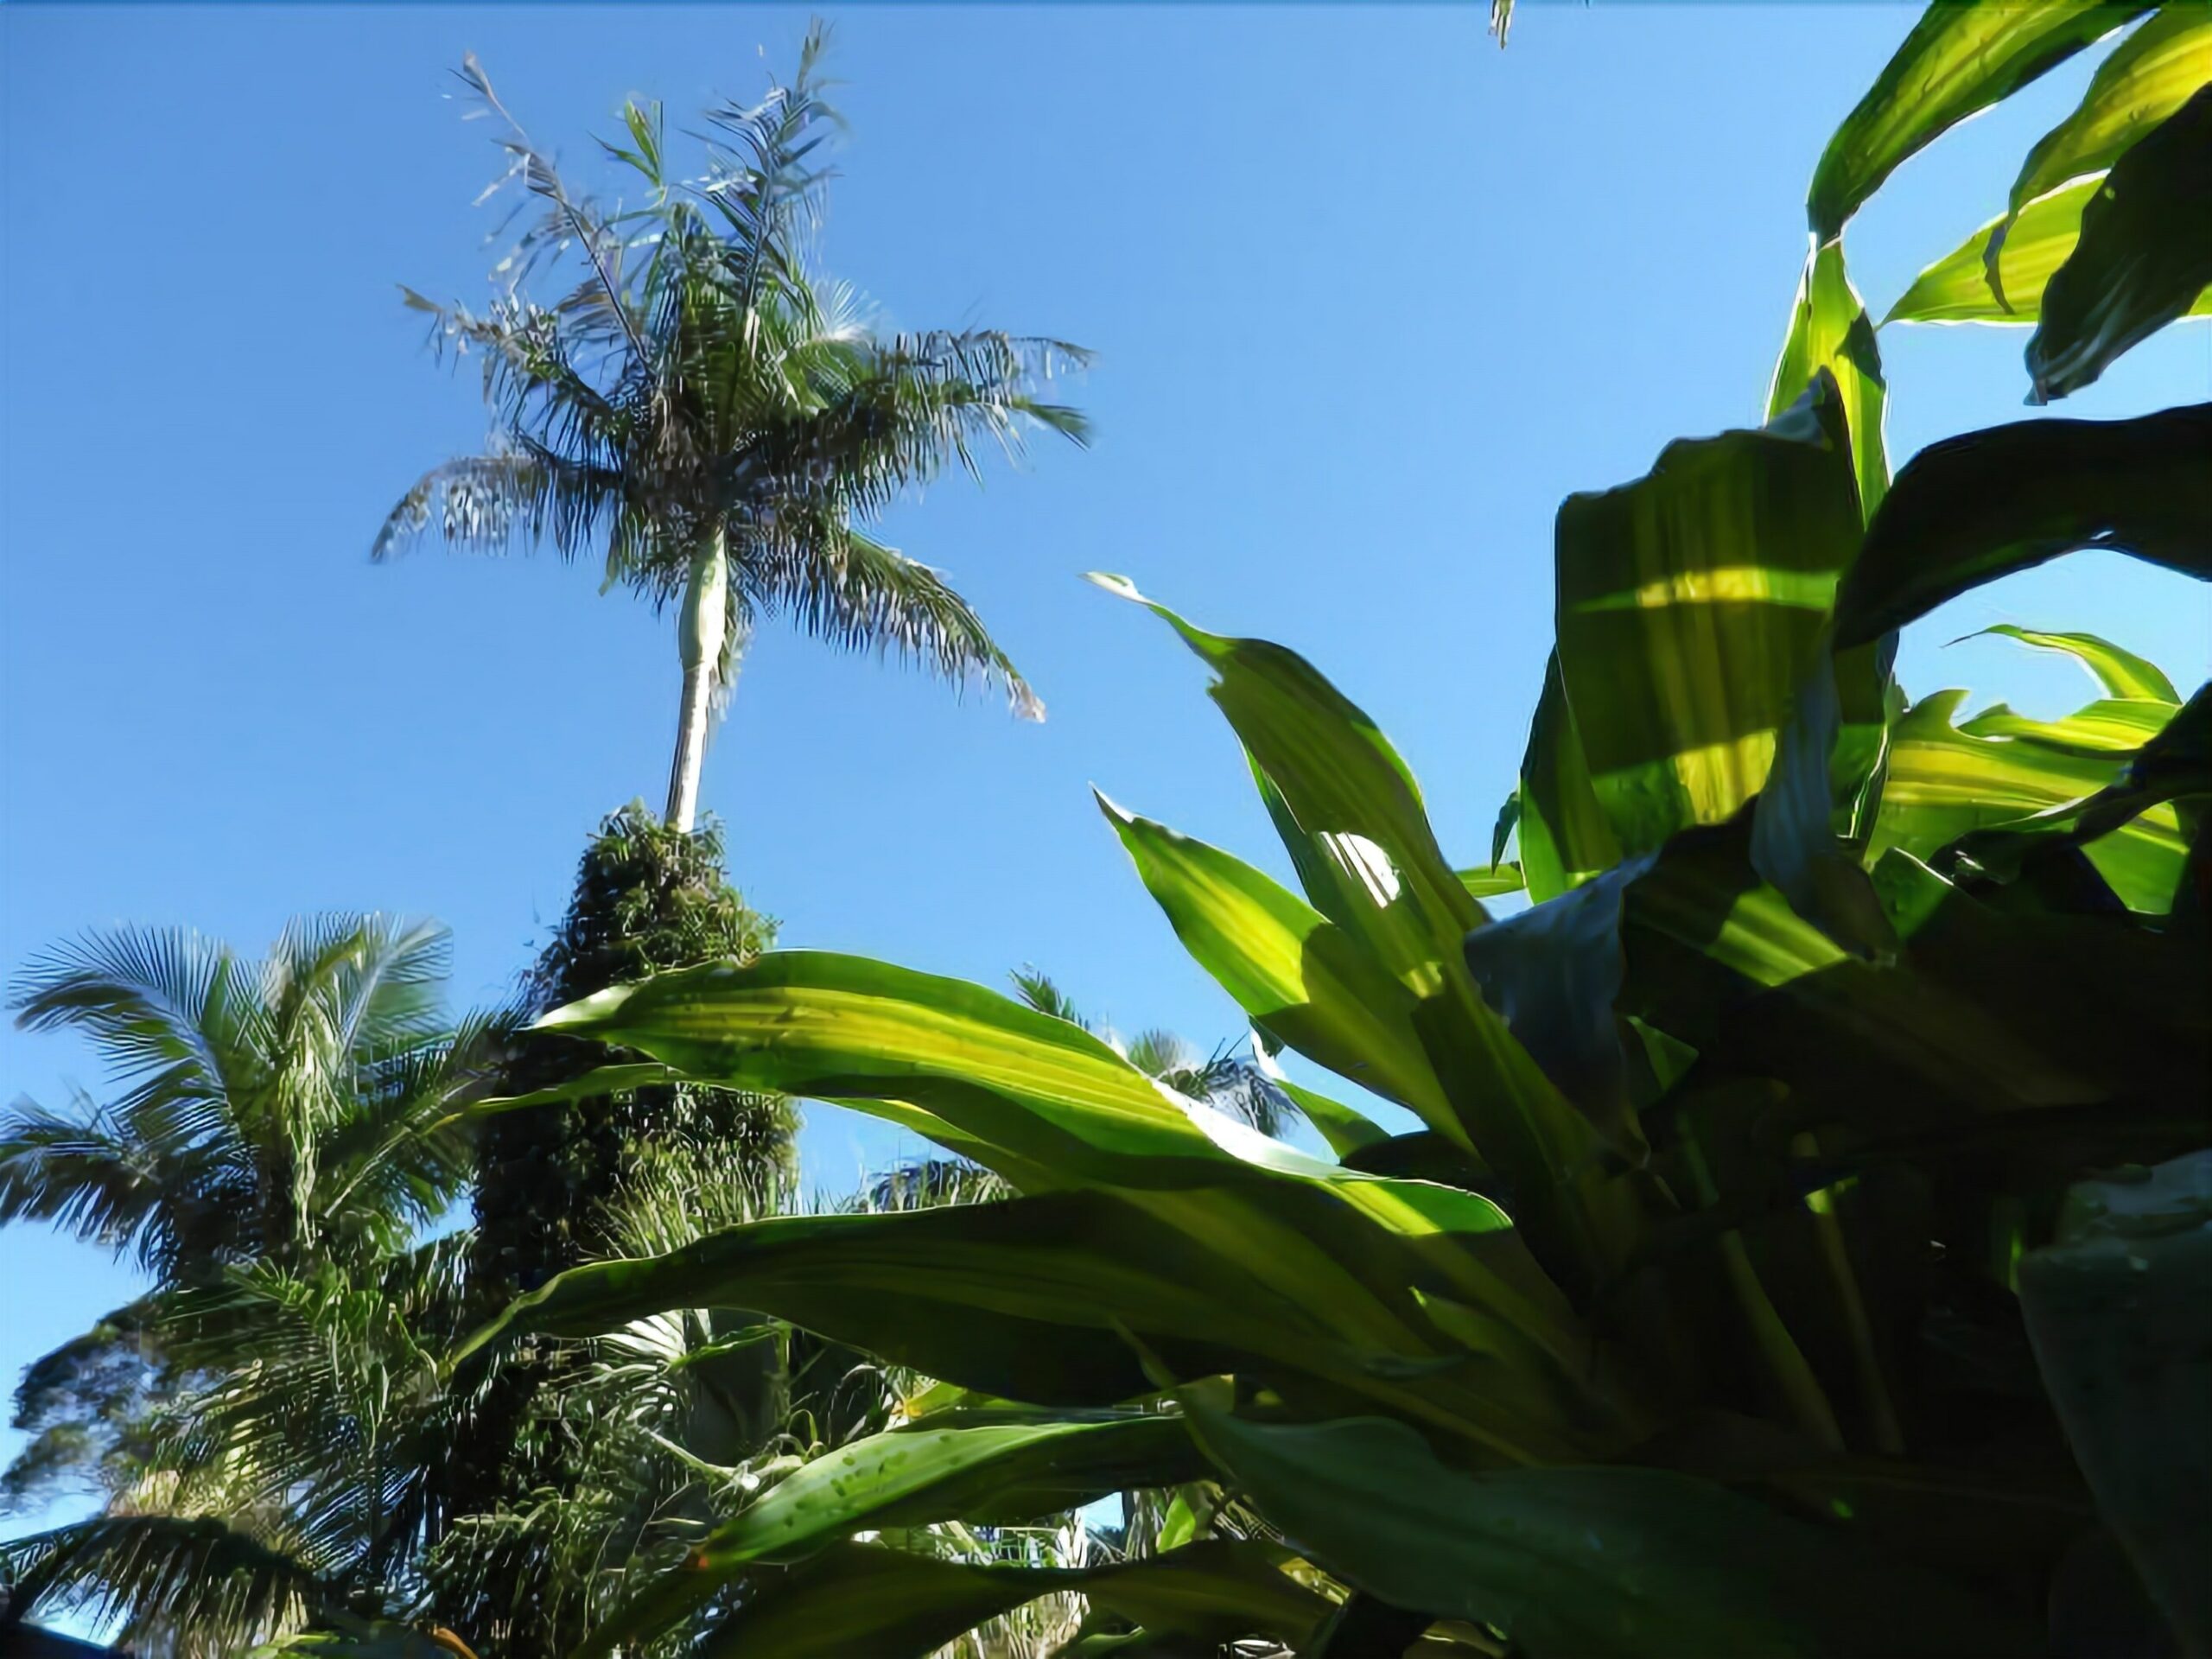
x=2146, y=78
x=2143, y=258
x=1828, y=330
x=2120, y=673
x=1958, y=59
x=1690, y=602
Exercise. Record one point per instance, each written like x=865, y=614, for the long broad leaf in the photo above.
x=2119, y=671
x=1958, y=59
x=892, y=1604
x=2147, y=77
x=1984, y=505
x=1026, y=1299
x=1565, y=836
x=1003, y=1468
x=1960, y=287
x=1298, y=975
x=1690, y=602
x=2144, y=258
x=1945, y=783
x=1589, y=1561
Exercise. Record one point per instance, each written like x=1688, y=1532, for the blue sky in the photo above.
x=1369, y=297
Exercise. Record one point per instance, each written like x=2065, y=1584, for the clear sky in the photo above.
x=1369, y=295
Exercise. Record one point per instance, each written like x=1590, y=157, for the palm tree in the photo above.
x=282, y=1135
x=1225, y=1079
x=713, y=420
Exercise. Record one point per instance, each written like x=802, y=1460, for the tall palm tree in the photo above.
x=714, y=420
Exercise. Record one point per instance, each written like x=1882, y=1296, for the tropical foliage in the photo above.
x=1803, y=1249
x=1744, y=1289
x=714, y=419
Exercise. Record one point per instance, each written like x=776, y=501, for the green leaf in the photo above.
x=1958, y=59
x=1351, y=818
x=1690, y=603
x=2146, y=78
x=1974, y=508
x=1355, y=816
x=1494, y=881
x=1584, y=1561
x=2137, y=840
x=1565, y=837
x=2120, y=1309
x=1828, y=330
x=2121, y=673
x=1957, y=288
x=858, y=1600
x=985, y=1467
x=2144, y=258
x=2110, y=725
x=1943, y=783
x=1285, y=1282
x=1295, y=973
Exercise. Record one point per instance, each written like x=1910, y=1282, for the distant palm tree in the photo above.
x=713, y=418
x=1225, y=1079
x=285, y=1131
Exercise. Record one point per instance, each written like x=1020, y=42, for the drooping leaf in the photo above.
x=1584, y=1561
x=1351, y=818
x=890, y=1604
x=1285, y=1282
x=984, y=1468
x=1958, y=60
x=1828, y=330
x=1943, y=783
x=1354, y=809
x=1294, y=972
x=2120, y=673
x=1974, y=508
x=2146, y=78
x=2119, y=1308
x=1690, y=601
x=1958, y=287
x=2143, y=258
x=2109, y=725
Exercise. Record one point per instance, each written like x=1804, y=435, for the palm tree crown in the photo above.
x=714, y=420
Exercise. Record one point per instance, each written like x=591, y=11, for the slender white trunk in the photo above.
x=700, y=634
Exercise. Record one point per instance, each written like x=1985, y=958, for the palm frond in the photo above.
x=494, y=502
x=159, y=1574
x=851, y=590
x=1041, y=993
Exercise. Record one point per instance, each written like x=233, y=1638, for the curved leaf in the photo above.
x=1565, y=837
x=984, y=1468
x=1690, y=603
x=1958, y=59
x=1294, y=971
x=2120, y=673
x=1984, y=505
x=2147, y=77
x=1945, y=783
x=887, y=1602
x=2144, y=258
x=1828, y=330
x=1958, y=287
x=1586, y=1562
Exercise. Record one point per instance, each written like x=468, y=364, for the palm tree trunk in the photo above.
x=701, y=630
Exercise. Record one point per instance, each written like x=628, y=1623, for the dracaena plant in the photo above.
x=716, y=420
x=1759, y=1279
